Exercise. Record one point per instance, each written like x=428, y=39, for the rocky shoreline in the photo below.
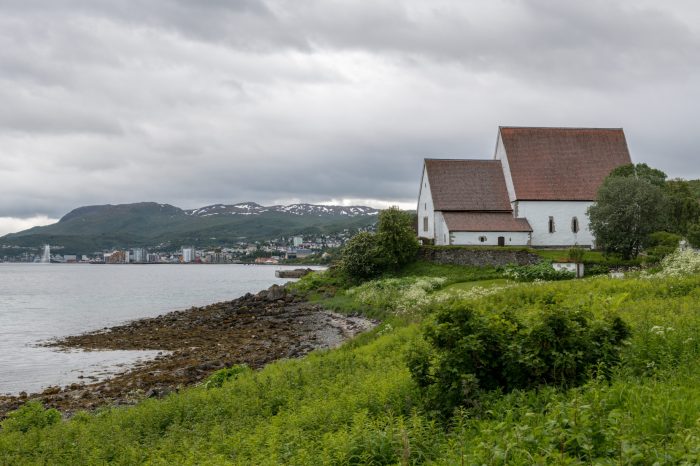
x=253, y=330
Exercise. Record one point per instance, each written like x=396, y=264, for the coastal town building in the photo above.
x=535, y=191
x=188, y=255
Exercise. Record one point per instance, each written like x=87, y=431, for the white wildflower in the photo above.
x=680, y=263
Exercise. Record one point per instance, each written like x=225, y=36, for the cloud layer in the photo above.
x=192, y=103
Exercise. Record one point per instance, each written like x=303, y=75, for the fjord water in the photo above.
x=40, y=302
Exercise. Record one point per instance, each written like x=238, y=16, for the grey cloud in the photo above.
x=192, y=103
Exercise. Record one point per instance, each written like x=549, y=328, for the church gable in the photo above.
x=561, y=164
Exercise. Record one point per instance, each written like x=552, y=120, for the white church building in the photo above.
x=534, y=192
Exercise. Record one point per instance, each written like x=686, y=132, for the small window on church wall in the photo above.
x=425, y=223
x=574, y=225
x=551, y=225
x=482, y=239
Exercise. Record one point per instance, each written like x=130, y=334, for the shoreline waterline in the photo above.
x=253, y=330
x=43, y=302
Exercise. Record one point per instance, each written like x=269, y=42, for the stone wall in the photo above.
x=477, y=256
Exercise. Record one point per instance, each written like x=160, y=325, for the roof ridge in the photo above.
x=596, y=128
x=460, y=160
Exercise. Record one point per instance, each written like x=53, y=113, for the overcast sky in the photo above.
x=200, y=102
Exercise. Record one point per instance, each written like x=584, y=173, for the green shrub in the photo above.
x=694, y=235
x=31, y=415
x=540, y=271
x=663, y=238
x=321, y=281
x=468, y=351
x=660, y=244
x=597, y=269
x=218, y=378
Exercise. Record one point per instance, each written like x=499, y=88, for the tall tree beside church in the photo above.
x=626, y=211
x=640, y=171
x=682, y=207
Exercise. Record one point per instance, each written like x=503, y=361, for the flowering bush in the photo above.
x=540, y=271
x=474, y=293
x=681, y=263
x=397, y=295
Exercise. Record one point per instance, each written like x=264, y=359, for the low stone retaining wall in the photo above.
x=476, y=256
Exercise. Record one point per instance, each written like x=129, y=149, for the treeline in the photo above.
x=638, y=209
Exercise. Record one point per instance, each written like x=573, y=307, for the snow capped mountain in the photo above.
x=252, y=208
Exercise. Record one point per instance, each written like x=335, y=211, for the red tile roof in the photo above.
x=562, y=164
x=485, y=221
x=467, y=185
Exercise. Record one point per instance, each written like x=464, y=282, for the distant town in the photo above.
x=292, y=249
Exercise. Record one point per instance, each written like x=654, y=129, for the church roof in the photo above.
x=562, y=164
x=467, y=185
x=485, y=221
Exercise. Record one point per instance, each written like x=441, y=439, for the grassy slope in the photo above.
x=357, y=404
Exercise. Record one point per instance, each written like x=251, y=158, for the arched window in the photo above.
x=574, y=225
x=482, y=239
x=551, y=225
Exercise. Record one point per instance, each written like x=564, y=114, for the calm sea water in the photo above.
x=39, y=302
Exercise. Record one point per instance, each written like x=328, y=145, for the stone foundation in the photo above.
x=479, y=257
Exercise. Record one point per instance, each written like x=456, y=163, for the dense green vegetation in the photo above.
x=394, y=245
x=359, y=404
x=634, y=202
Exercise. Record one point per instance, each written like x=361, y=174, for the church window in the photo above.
x=425, y=223
x=482, y=239
x=574, y=225
x=551, y=225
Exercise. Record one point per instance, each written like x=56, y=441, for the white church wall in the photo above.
x=442, y=234
x=501, y=155
x=488, y=238
x=538, y=213
x=425, y=208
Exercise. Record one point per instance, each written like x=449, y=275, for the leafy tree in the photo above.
x=640, y=171
x=394, y=245
x=396, y=237
x=626, y=211
x=362, y=257
x=683, y=206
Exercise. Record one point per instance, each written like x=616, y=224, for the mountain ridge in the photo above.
x=158, y=225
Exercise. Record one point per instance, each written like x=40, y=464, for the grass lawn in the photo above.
x=465, y=286
x=562, y=254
